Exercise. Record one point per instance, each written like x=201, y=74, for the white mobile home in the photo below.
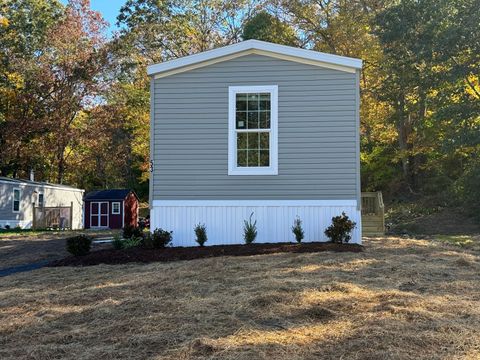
x=254, y=128
x=18, y=198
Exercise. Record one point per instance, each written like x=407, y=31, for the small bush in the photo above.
x=117, y=242
x=132, y=242
x=340, y=230
x=201, y=234
x=249, y=230
x=159, y=238
x=7, y=227
x=298, y=230
x=130, y=231
x=79, y=245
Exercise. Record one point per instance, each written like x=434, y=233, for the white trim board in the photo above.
x=209, y=57
x=233, y=169
x=158, y=203
x=45, y=186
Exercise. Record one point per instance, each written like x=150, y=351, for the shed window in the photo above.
x=16, y=200
x=41, y=202
x=253, y=130
x=116, y=208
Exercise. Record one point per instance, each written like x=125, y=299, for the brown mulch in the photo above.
x=144, y=255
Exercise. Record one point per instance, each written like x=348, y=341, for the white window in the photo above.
x=16, y=200
x=253, y=123
x=116, y=208
x=41, y=200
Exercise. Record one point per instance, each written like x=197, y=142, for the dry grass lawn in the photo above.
x=400, y=299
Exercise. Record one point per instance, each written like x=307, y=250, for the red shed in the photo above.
x=110, y=209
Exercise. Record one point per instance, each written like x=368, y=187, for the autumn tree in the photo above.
x=72, y=71
x=267, y=27
x=24, y=27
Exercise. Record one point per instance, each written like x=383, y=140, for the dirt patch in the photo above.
x=143, y=255
x=445, y=222
x=33, y=247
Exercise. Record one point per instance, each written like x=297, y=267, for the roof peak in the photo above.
x=246, y=47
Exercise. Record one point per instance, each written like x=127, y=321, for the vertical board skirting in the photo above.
x=224, y=221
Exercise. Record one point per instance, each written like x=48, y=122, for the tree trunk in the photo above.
x=404, y=129
x=60, y=164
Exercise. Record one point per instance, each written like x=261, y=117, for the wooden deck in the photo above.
x=373, y=214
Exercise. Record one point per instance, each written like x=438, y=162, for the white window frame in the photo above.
x=119, y=208
x=233, y=169
x=42, y=204
x=19, y=200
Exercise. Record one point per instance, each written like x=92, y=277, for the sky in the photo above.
x=108, y=8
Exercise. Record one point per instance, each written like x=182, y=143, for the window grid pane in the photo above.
x=253, y=112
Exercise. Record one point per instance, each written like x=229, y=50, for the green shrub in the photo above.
x=117, y=242
x=340, y=230
x=132, y=242
x=201, y=234
x=249, y=230
x=130, y=231
x=79, y=245
x=298, y=230
x=159, y=238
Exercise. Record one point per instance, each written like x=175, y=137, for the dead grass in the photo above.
x=400, y=299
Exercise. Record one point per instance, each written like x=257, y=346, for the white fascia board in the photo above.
x=292, y=52
x=181, y=203
x=44, y=186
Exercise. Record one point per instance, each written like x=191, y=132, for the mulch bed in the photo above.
x=143, y=255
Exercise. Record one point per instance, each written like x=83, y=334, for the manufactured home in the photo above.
x=254, y=128
x=29, y=203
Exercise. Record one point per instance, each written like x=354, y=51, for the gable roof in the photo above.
x=247, y=47
x=113, y=194
x=23, y=182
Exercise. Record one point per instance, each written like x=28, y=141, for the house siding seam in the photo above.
x=317, y=133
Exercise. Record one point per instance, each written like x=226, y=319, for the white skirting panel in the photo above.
x=224, y=219
x=15, y=223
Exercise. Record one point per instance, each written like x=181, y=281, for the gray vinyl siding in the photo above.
x=317, y=132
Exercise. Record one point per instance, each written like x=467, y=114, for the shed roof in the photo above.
x=111, y=194
x=190, y=62
x=24, y=182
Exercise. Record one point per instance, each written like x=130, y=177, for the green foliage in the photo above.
x=249, y=230
x=201, y=234
x=132, y=242
x=159, y=238
x=468, y=189
x=117, y=242
x=266, y=27
x=298, y=230
x=79, y=245
x=341, y=229
x=130, y=231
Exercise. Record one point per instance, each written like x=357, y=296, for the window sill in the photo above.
x=253, y=171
